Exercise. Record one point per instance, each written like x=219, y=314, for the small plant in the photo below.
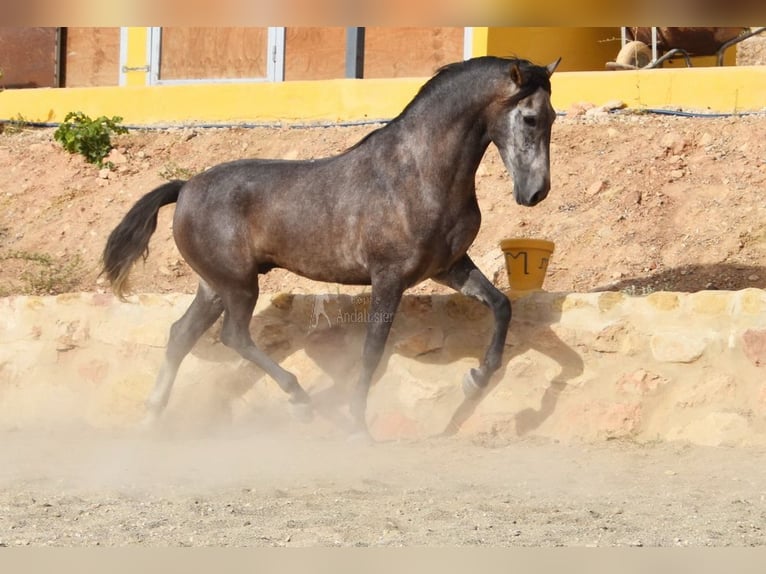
x=174, y=171
x=90, y=138
x=41, y=274
x=16, y=125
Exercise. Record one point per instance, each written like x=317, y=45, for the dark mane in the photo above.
x=535, y=77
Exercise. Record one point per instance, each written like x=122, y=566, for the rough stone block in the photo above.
x=677, y=347
x=574, y=302
x=751, y=302
x=716, y=429
x=462, y=307
x=420, y=343
x=710, y=302
x=612, y=338
x=754, y=345
x=663, y=301
x=640, y=382
x=609, y=300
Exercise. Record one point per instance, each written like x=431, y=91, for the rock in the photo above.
x=596, y=112
x=420, y=305
x=609, y=300
x=283, y=301
x=461, y=307
x=754, y=345
x=604, y=419
x=750, y=301
x=676, y=347
x=716, y=429
x=611, y=338
x=663, y=300
x=420, y=343
x=72, y=334
x=674, y=142
x=614, y=105
x=273, y=337
x=578, y=109
x=596, y=187
x=711, y=302
x=640, y=382
x=104, y=173
x=116, y=157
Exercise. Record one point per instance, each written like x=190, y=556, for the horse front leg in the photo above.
x=385, y=301
x=466, y=278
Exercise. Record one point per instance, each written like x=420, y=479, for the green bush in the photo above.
x=91, y=138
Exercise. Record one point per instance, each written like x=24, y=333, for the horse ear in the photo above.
x=516, y=75
x=552, y=67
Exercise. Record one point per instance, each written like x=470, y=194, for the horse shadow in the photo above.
x=332, y=340
x=693, y=278
x=531, y=329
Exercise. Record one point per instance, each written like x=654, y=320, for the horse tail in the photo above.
x=130, y=239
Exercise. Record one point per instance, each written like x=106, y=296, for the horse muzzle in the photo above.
x=531, y=199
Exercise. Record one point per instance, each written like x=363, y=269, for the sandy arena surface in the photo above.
x=254, y=487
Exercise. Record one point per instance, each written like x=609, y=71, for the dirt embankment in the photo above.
x=639, y=202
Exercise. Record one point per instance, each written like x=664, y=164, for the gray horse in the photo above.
x=395, y=209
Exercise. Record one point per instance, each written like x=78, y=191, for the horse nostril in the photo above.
x=539, y=196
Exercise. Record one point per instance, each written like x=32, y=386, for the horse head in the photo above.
x=521, y=129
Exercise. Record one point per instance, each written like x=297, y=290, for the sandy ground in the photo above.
x=261, y=488
x=641, y=202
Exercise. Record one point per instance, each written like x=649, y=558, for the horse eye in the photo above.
x=531, y=121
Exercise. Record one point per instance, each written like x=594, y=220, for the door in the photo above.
x=29, y=57
x=221, y=54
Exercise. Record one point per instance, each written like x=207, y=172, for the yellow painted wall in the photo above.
x=729, y=89
x=581, y=48
x=300, y=101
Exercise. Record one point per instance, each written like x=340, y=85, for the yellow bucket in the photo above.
x=526, y=261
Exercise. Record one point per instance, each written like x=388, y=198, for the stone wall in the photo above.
x=590, y=367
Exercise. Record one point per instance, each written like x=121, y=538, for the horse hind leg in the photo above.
x=198, y=318
x=239, y=306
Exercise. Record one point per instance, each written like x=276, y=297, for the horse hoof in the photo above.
x=148, y=426
x=148, y=422
x=471, y=388
x=302, y=412
x=362, y=437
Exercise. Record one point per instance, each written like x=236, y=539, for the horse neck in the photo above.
x=451, y=143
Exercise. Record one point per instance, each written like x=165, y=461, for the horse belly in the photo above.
x=315, y=256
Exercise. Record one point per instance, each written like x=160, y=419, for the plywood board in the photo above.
x=403, y=52
x=28, y=57
x=213, y=53
x=91, y=57
x=315, y=53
